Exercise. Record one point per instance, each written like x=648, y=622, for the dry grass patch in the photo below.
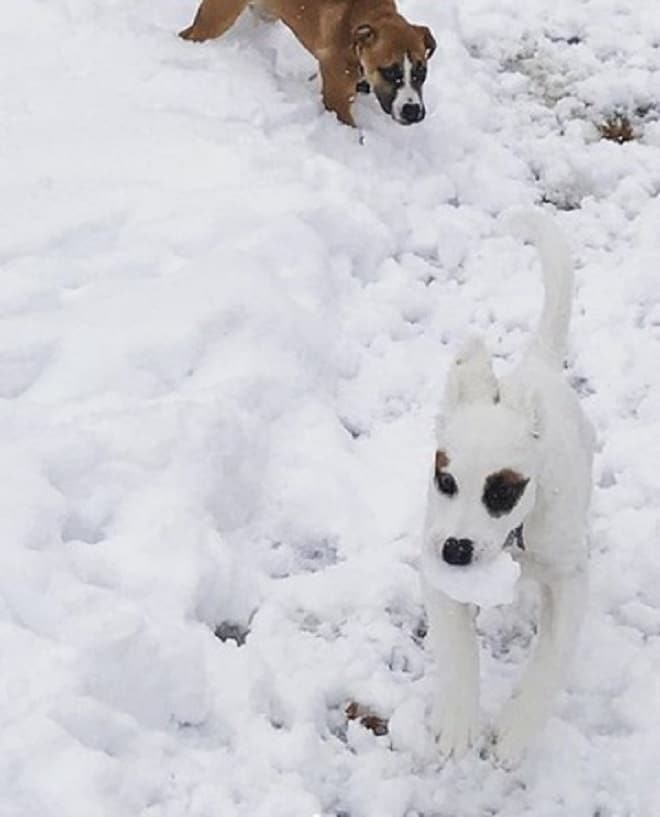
x=374, y=723
x=617, y=128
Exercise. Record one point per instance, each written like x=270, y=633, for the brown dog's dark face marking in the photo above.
x=502, y=491
x=393, y=57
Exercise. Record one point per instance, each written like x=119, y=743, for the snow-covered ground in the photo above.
x=225, y=328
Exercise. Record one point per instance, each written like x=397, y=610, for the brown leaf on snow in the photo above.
x=374, y=723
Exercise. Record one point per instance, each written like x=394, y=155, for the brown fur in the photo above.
x=351, y=39
x=510, y=476
x=441, y=460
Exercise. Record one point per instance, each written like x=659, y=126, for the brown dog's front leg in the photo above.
x=213, y=18
x=339, y=90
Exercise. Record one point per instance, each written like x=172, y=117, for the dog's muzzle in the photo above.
x=460, y=552
x=411, y=113
x=457, y=551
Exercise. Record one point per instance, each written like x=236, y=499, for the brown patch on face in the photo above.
x=441, y=460
x=444, y=481
x=502, y=490
x=510, y=475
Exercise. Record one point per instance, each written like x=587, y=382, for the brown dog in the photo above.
x=355, y=41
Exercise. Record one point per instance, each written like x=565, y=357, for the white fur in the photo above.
x=406, y=94
x=530, y=422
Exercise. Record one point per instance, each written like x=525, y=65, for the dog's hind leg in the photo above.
x=524, y=715
x=455, y=716
x=213, y=18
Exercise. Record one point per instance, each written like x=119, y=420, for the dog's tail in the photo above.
x=550, y=341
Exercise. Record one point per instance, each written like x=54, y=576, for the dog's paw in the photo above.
x=514, y=729
x=455, y=726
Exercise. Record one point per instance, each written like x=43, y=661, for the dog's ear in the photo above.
x=429, y=40
x=363, y=35
x=471, y=377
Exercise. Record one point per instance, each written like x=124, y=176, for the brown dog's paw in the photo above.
x=190, y=34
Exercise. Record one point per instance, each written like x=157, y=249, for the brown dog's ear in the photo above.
x=363, y=35
x=429, y=40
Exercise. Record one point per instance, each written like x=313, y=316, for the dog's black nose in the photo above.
x=411, y=112
x=457, y=551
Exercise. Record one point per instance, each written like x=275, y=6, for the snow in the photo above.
x=225, y=328
x=486, y=583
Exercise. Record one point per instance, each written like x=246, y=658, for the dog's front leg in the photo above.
x=456, y=651
x=524, y=715
x=339, y=88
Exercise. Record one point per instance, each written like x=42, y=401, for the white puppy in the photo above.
x=512, y=466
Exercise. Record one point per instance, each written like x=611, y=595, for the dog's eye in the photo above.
x=418, y=73
x=502, y=491
x=392, y=74
x=445, y=483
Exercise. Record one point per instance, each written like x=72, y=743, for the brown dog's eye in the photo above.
x=418, y=73
x=392, y=74
x=445, y=483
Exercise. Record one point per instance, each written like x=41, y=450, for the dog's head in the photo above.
x=393, y=56
x=483, y=482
